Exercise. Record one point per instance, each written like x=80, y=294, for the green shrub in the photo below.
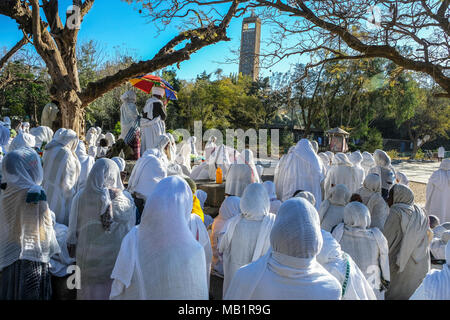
x=374, y=140
x=117, y=129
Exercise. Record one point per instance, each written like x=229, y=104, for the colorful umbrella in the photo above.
x=146, y=83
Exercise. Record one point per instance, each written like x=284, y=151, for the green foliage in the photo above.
x=117, y=129
x=374, y=140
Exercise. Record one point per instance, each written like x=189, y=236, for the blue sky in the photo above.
x=115, y=23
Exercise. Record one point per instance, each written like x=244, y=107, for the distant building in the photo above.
x=250, y=46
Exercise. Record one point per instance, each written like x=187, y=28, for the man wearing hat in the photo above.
x=152, y=122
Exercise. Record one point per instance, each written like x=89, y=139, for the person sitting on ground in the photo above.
x=289, y=270
x=246, y=236
x=367, y=246
x=331, y=211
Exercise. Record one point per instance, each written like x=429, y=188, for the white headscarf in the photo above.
x=308, y=196
x=120, y=163
x=26, y=224
x=414, y=224
x=61, y=172
x=110, y=138
x=438, y=188
x=23, y=139
x=148, y=174
x=86, y=164
x=240, y=248
x=42, y=134
x=367, y=246
x=368, y=162
x=370, y=194
x=97, y=246
x=302, y=169
x=331, y=211
x=246, y=157
x=128, y=112
x=295, y=274
x=239, y=176
x=228, y=209
x=174, y=262
x=275, y=204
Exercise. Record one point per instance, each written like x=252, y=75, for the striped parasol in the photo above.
x=146, y=83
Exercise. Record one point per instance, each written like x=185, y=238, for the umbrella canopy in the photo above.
x=146, y=83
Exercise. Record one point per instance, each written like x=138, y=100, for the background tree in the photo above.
x=56, y=44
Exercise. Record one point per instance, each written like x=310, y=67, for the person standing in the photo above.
x=441, y=153
x=152, y=122
x=27, y=235
x=407, y=232
x=438, y=189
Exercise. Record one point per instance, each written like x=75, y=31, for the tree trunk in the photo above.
x=415, y=149
x=72, y=113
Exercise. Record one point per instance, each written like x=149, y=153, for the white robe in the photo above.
x=246, y=236
x=61, y=172
x=300, y=169
x=160, y=259
x=436, y=285
x=128, y=113
x=341, y=172
x=331, y=212
x=289, y=271
x=97, y=248
x=228, y=209
x=151, y=129
x=438, y=191
x=367, y=246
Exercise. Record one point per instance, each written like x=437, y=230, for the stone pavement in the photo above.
x=417, y=171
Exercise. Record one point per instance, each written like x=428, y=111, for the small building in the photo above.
x=338, y=140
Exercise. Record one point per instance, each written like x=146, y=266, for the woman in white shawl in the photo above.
x=356, y=158
x=210, y=147
x=371, y=196
x=325, y=161
x=228, y=209
x=368, y=162
x=340, y=265
x=146, y=174
x=301, y=169
x=128, y=112
x=341, y=172
x=100, y=217
x=275, y=204
x=239, y=176
x=61, y=172
x=438, y=190
x=367, y=246
x=385, y=170
x=152, y=122
x=246, y=236
x=27, y=237
x=331, y=211
x=23, y=139
x=436, y=285
x=91, y=137
x=43, y=135
x=406, y=230
x=246, y=157
x=86, y=164
x=160, y=259
x=289, y=271
x=5, y=134
x=110, y=138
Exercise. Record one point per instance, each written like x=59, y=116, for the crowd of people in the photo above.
x=329, y=227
